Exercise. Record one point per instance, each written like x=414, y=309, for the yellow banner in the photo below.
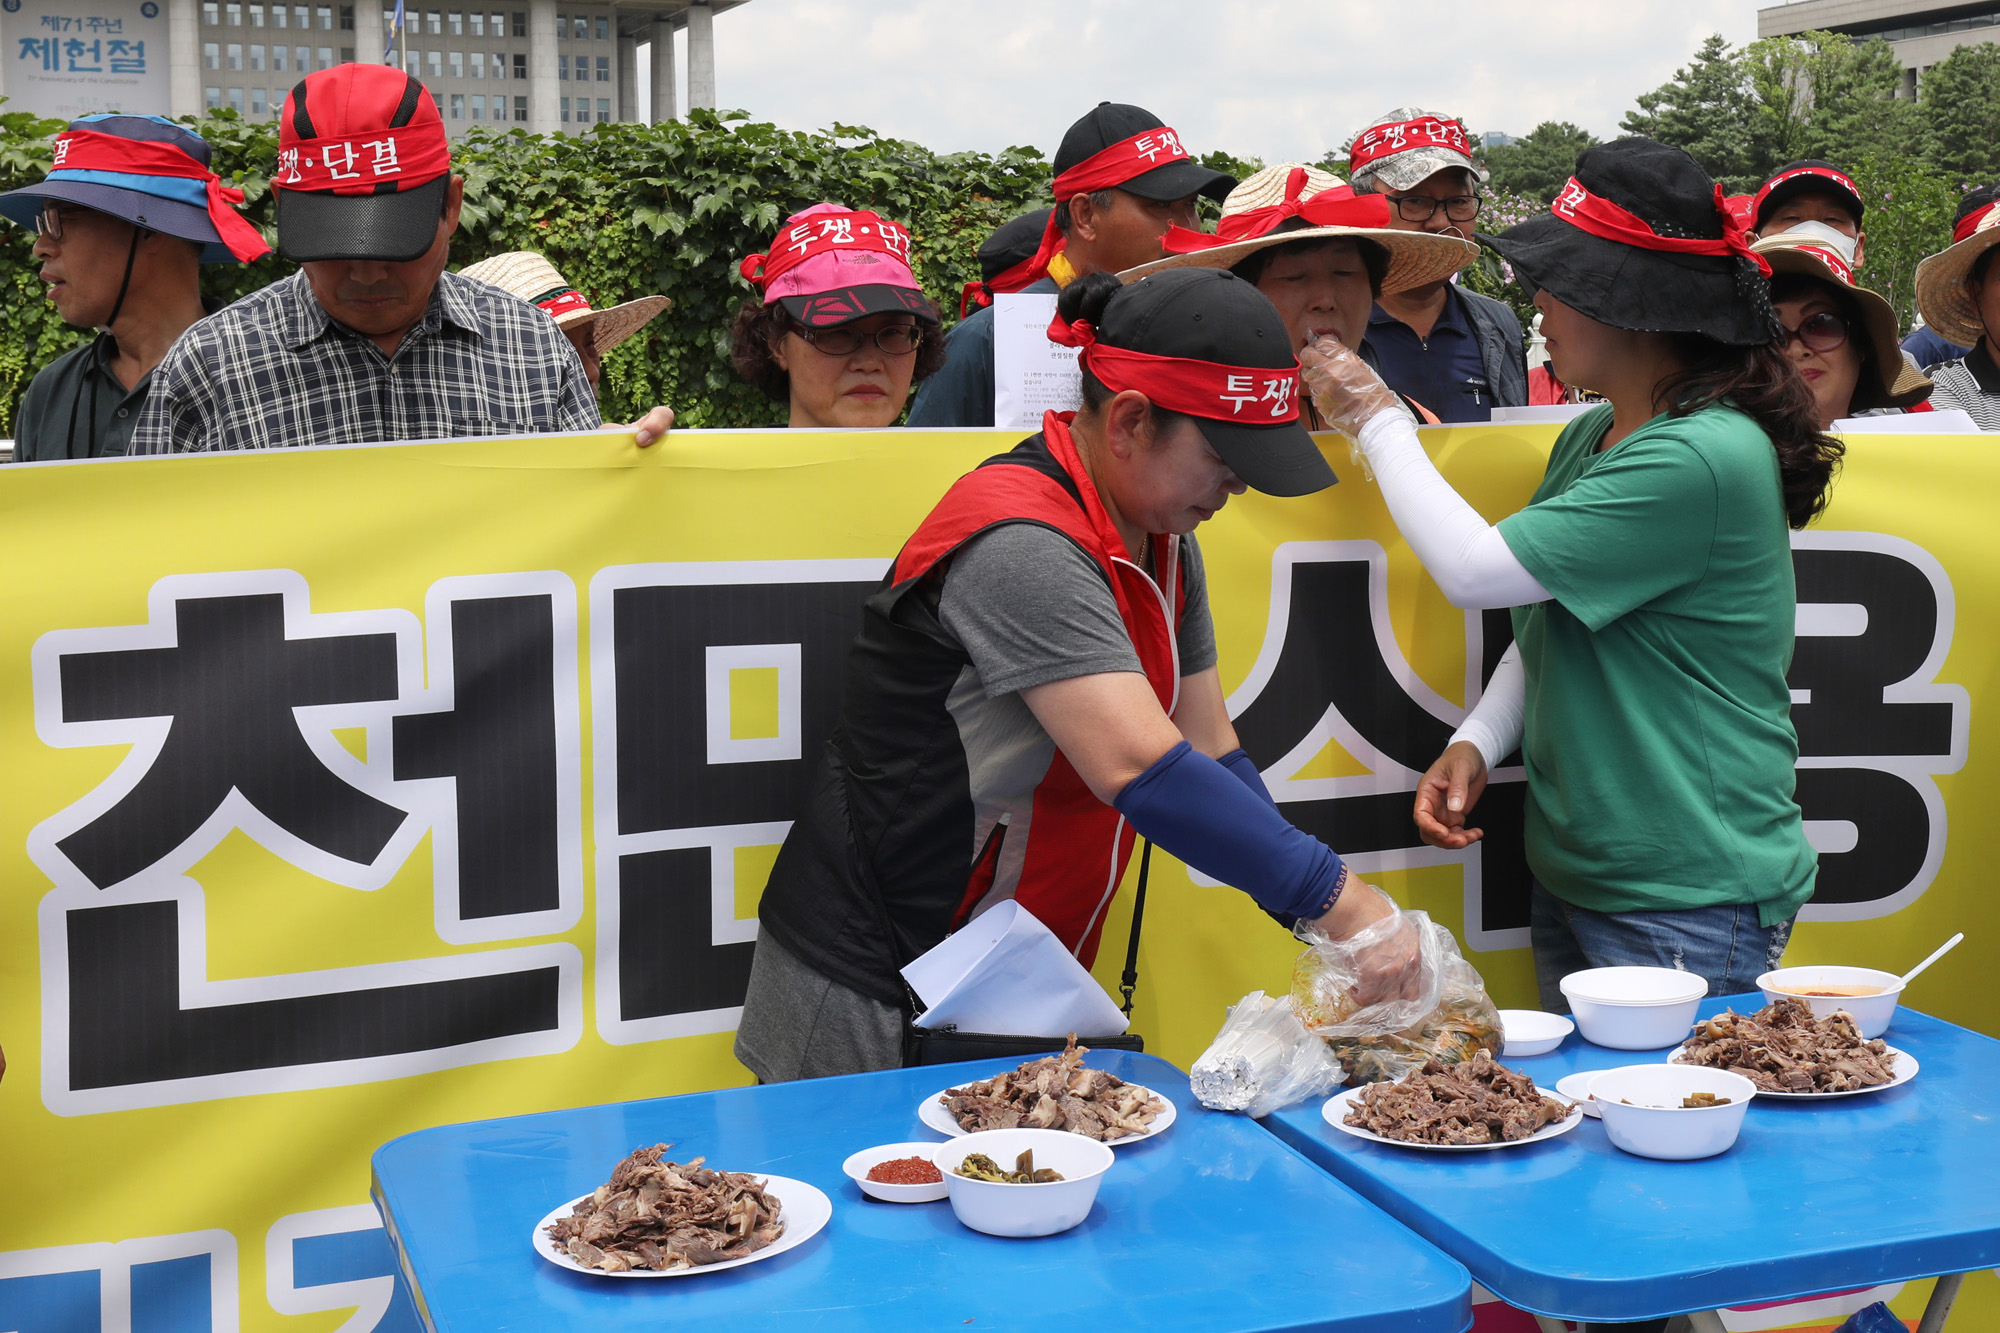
x=354, y=791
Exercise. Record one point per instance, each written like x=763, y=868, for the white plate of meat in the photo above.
x=666, y=1219
x=1053, y=1092
x=1428, y=1104
x=1793, y=1055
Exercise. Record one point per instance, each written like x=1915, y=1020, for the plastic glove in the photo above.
x=1386, y=945
x=1346, y=389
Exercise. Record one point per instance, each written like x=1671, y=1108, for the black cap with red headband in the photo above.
x=1641, y=238
x=1118, y=147
x=1206, y=344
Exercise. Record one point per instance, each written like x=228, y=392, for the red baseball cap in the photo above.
x=363, y=166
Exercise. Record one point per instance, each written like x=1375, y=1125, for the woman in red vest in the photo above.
x=1035, y=687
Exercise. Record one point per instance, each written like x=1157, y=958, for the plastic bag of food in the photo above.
x=1263, y=1060
x=1443, y=1012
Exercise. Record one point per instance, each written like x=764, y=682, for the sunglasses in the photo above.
x=1420, y=207
x=1822, y=332
x=896, y=340
x=48, y=223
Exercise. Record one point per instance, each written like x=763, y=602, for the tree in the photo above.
x=1708, y=109
x=1960, y=104
x=1824, y=95
x=1909, y=216
x=1539, y=164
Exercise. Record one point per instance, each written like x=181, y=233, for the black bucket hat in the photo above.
x=1639, y=239
x=1206, y=344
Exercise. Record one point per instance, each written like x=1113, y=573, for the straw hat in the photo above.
x=1941, y=296
x=1818, y=251
x=1259, y=207
x=534, y=279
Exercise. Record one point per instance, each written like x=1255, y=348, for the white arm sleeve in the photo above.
x=1464, y=553
x=1494, y=724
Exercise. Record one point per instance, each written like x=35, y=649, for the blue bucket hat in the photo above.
x=185, y=207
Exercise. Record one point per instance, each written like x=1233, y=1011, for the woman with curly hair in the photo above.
x=1650, y=580
x=842, y=329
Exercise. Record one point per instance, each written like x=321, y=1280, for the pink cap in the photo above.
x=831, y=264
x=831, y=270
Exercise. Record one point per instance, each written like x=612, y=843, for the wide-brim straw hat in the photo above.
x=1943, y=301
x=1800, y=251
x=1416, y=258
x=530, y=276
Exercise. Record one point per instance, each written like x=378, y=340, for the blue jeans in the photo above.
x=1723, y=945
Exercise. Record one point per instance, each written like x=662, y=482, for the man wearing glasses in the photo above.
x=123, y=224
x=1457, y=353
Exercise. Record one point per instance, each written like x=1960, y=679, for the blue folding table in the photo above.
x=1814, y=1197
x=1213, y=1225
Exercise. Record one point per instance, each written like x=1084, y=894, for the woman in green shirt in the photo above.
x=1651, y=581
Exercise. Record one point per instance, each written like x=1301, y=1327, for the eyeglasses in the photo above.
x=895, y=340
x=1420, y=207
x=48, y=223
x=1822, y=332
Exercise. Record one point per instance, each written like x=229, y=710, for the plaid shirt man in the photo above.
x=274, y=370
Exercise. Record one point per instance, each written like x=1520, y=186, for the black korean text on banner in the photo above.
x=1329, y=669
x=680, y=799
x=229, y=698
x=1875, y=727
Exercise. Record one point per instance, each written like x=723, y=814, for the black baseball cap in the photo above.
x=1807, y=176
x=1108, y=123
x=1012, y=242
x=1206, y=314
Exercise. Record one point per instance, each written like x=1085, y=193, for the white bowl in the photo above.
x=1872, y=1013
x=1640, y=1106
x=858, y=1165
x=1634, y=1008
x=1532, y=1032
x=1025, y=1210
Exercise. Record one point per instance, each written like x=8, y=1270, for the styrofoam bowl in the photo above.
x=1532, y=1032
x=858, y=1165
x=1640, y=1106
x=1025, y=1210
x=1872, y=1013
x=1634, y=1008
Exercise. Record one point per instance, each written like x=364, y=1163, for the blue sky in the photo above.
x=1275, y=79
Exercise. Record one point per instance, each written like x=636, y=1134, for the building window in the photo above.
x=562, y=68
x=235, y=56
x=388, y=21
x=439, y=105
x=603, y=109
x=325, y=57
x=236, y=100
x=436, y=20
x=347, y=18
x=257, y=58
x=302, y=63
x=565, y=109
x=256, y=16
x=437, y=64
x=604, y=69
x=520, y=27
x=454, y=22
x=212, y=98
x=278, y=59
x=520, y=108
x=582, y=28
x=478, y=17
x=458, y=106
x=346, y=55
x=232, y=14
x=520, y=66
x=301, y=17
x=583, y=69
x=256, y=101
x=500, y=27
x=562, y=25
x=478, y=106
x=326, y=18
x=413, y=63
x=478, y=64
x=211, y=55
x=458, y=64
x=603, y=28
x=499, y=65
x=211, y=12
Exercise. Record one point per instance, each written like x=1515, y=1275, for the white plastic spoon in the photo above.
x=1942, y=950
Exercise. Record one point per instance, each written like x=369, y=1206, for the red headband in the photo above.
x=89, y=150
x=408, y=156
x=1380, y=141
x=563, y=301
x=823, y=233
x=1600, y=217
x=1833, y=261
x=1254, y=395
x=1106, y=169
x=1338, y=206
x=1970, y=223
x=1007, y=280
x=1827, y=174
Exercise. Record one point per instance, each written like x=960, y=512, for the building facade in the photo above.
x=1920, y=32
x=550, y=66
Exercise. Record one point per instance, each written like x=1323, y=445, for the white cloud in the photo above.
x=1274, y=79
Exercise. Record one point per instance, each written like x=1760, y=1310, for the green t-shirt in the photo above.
x=1658, y=733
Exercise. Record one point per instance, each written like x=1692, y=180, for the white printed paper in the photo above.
x=1007, y=972
x=1031, y=375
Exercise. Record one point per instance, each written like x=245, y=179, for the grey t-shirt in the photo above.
x=1031, y=608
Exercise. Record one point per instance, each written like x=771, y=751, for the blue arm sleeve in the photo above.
x=1198, y=810
x=1237, y=761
